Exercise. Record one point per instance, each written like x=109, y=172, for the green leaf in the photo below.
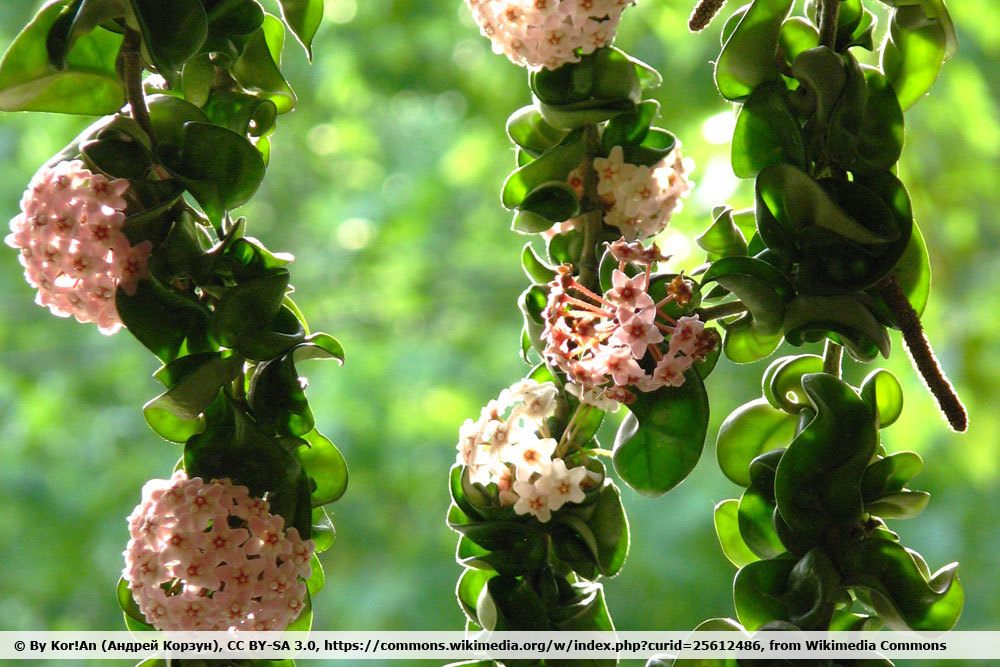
x=323, y=532
x=163, y=319
x=782, y=381
x=303, y=18
x=172, y=33
x=169, y=114
x=901, y=505
x=758, y=592
x=78, y=18
x=844, y=319
x=724, y=238
x=884, y=396
x=555, y=201
x=258, y=70
x=232, y=446
x=176, y=413
x=469, y=589
x=903, y=595
x=890, y=474
x=512, y=605
x=87, y=85
x=817, y=485
x=727, y=529
x=317, y=579
x=814, y=591
x=326, y=467
x=609, y=525
x=744, y=343
x=252, y=318
x=748, y=55
x=751, y=430
x=527, y=128
x=797, y=35
x=866, y=127
x=629, y=128
x=660, y=441
x=220, y=167
x=915, y=49
x=760, y=286
x=553, y=165
x=537, y=271
x=756, y=511
x=766, y=133
x=846, y=235
x=276, y=393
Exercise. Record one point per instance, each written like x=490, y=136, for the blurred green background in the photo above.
x=384, y=184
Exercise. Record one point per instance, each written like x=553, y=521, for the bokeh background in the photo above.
x=384, y=184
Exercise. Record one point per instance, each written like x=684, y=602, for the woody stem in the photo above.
x=833, y=355
x=131, y=70
x=592, y=219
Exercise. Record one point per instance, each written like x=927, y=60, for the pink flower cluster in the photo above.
x=503, y=447
x=640, y=200
x=210, y=557
x=72, y=247
x=599, y=340
x=547, y=33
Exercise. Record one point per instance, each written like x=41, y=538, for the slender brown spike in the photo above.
x=704, y=13
x=922, y=355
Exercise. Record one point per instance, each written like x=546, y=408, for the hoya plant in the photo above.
x=607, y=324
x=831, y=252
x=131, y=227
x=830, y=258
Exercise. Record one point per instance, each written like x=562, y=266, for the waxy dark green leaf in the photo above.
x=748, y=55
x=660, y=441
x=817, y=485
x=766, y=133
x=303, y=18
x=727, y=529
x=758, y=591
x=325, y=466
x=176, y=413
x=903, y=595
x=220, y=167
x=748, y=432
x=172, y=33
x=87, y=84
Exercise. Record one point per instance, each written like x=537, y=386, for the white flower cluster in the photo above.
x=641, y=200
x=503, y=447
x=211, y=557
x=72, y=247
x=547, y=33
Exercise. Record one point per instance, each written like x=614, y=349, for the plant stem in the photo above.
x=922, y=355
x=720, y=311
x=592, y=218
x=833, y=357
x=131, y=72
x=829, y=18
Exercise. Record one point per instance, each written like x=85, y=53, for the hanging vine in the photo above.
x=834, y=255
x=606, y=325
x=130, y=226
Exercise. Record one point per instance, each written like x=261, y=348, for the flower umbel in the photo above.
x=210, y=557
x=547, y=33
x=72, y=246
x=527, y=476
x=602, y=342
